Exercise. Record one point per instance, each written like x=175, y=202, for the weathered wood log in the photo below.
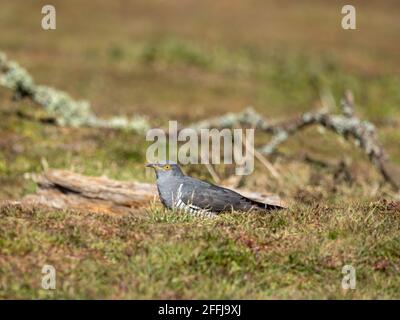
x=61, y=189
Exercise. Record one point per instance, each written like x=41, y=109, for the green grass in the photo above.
x=279, y=81
x=297, y=253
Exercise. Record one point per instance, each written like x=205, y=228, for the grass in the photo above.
x=298, y=253
x=163, y=63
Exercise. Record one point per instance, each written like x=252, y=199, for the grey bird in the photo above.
x=181, y=192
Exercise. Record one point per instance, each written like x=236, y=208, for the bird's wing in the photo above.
x=204, y=195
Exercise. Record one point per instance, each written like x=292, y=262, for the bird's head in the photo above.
x=165, y=169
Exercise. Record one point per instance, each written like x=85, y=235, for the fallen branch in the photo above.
x=346, y=124
x=65, y=110
x=63, y=189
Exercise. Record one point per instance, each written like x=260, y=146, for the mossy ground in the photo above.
x=296, y=254
x=155, y=59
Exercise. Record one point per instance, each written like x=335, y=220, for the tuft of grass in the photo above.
x=174, y=51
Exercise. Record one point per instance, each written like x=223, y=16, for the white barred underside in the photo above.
x=190, y=208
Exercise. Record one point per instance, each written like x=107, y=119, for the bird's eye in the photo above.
x=167, y=167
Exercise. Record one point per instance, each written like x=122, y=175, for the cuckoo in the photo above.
x=181, y=192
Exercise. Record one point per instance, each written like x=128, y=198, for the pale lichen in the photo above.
x=58, y=104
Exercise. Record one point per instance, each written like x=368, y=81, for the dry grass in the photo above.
x=296, y=254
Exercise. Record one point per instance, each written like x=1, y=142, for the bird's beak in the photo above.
x=150, y=165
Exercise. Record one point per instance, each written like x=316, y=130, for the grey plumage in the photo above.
x=179, y=191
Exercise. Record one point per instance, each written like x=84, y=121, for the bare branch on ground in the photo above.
x=345, y=124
